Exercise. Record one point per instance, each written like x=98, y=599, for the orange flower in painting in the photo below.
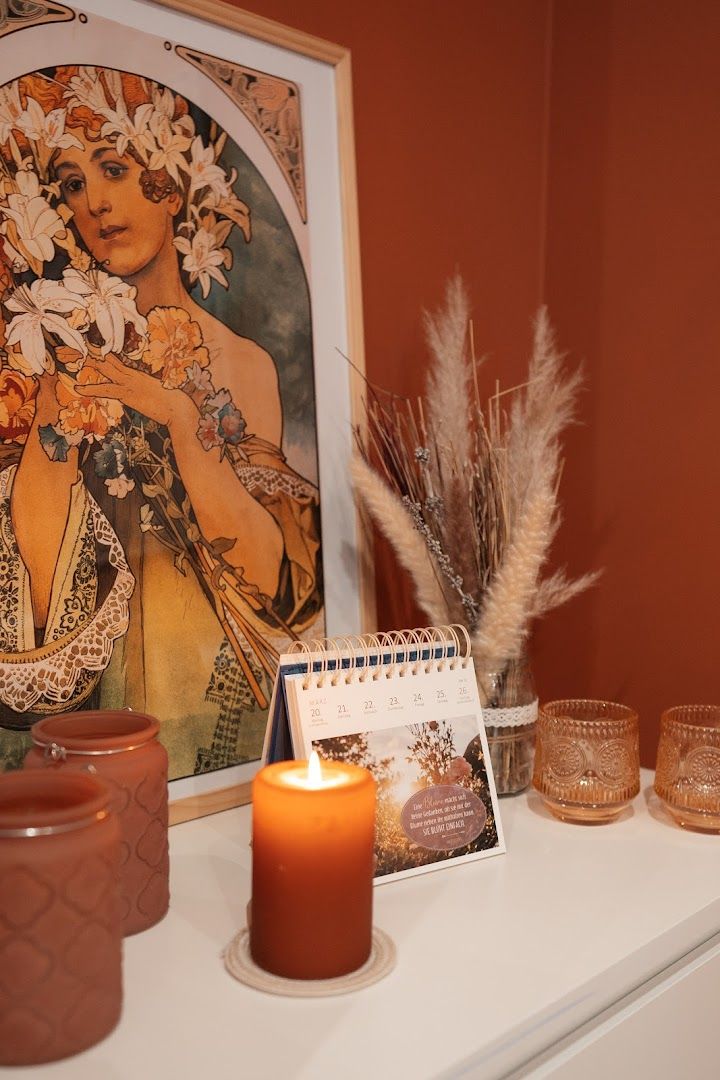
x=82, y=417
x=17, y=405
x=175, y=344
x=70, y=358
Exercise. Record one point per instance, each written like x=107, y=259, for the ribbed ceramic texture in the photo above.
x=587, y=753
x=60, y=935
x=137, y=778
x=687, y=774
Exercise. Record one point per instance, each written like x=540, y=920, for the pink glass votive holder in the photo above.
x=687, y=774
x=587, y=759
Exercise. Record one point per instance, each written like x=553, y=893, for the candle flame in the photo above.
x=311, y=776
x=314, y=773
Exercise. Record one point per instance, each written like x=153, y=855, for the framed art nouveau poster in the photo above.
x=179, y=288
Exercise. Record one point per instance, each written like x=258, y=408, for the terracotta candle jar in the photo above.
x=313, y=836
x=122, y=748
x=60, y=935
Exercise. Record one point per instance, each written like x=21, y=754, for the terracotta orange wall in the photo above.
x=567, y=152
x=450, y=140
x=632, y=272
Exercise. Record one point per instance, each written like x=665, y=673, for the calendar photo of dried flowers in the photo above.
x=433, y=795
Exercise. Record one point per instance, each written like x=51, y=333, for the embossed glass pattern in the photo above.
x=587, y=759
x=687, y=772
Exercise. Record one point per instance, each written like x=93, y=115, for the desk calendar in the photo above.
x=405, y=706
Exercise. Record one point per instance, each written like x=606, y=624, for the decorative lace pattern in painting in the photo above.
x=79, y=603
x=273, y=481
x=53, y=676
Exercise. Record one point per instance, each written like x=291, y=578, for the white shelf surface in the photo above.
x=497, y=960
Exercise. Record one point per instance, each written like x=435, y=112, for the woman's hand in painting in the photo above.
x=222, y=505
x=142, y=392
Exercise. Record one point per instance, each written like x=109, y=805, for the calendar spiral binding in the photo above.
x=374, y=656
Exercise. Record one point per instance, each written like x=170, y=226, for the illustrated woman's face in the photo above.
x=122, y=229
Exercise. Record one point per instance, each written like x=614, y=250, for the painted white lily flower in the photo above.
x=28, y=183
x=50, y=128
x=113, y=81
x=164, y=101
x=203, y=259
x=204, y=172
x=86, y=89
x=170, y=146
x=229, y=206
x=10, y=109
x=41, y=307
x=54, y=132
x=133, y=130
x=35, y=220
x=110, y=304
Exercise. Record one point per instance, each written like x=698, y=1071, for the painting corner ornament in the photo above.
x=22, y=14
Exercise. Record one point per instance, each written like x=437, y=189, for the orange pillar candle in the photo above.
x=313, y=840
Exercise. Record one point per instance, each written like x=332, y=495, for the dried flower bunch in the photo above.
x=467, y=493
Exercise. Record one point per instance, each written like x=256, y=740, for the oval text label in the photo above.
x=443, y=817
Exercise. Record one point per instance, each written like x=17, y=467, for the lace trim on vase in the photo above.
x=51, y=673
x=516, y=716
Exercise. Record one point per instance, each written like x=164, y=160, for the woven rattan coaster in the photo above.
x=241, y=966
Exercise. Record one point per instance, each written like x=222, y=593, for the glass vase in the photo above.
x=510, y=707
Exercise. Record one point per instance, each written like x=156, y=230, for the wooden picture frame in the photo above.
x=218, y=40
